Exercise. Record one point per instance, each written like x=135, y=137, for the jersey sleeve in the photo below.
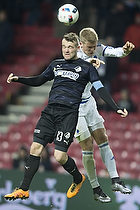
x=105, y=95
x=93, y=74
x=113, y=52
x=49, y=72
x=97, y=85
x=39, y=80
x=34, y=81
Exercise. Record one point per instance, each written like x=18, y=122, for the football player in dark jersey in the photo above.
x=58, y=120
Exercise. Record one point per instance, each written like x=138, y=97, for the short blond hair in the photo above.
x=88, y=35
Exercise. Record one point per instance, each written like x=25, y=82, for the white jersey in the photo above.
x=101, y=50
x=89, y=118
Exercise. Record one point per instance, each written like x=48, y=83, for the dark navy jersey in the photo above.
x=70, y=78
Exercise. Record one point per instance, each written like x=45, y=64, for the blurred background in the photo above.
x=30, y=38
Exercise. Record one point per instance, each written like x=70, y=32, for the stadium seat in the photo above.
x=134, y=67
x=5, y=160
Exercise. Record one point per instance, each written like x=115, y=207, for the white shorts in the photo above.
x=89, y=120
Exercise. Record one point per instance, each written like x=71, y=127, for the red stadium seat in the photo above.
x=134, y=67
x=5, y=160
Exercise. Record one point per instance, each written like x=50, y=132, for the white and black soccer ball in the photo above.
x=68, y=14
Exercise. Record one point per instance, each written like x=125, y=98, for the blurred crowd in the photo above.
x=124, y=100
x=115, y=21
x=108, y=18
x=21, y=156
x=22, y=11
x=119, y=19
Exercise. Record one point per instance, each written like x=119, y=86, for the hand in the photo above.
x=96, y=62
x=123, y=112
x=12, y=77
x=128, y=47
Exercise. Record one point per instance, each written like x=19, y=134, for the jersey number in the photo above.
x=59, y=136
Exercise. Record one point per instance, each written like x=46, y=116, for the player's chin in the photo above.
x=67, y=57
x=90, y=54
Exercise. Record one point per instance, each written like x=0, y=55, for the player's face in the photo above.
x=69, y=50
x=89, y=48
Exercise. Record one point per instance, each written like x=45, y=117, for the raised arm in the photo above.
x=118, y=51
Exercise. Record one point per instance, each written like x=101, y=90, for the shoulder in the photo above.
x=80, y=53
x=100, y=47
x=61, y=60
x=83, y=62
x=99, y=50
x=57, y=62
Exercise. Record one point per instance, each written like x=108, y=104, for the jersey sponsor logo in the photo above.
x=65, y=73
x=48, y=198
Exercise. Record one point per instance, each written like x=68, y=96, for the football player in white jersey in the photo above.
x=90, y=123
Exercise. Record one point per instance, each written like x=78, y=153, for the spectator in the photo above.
x=132, y=8
x=45, y=163
x=32, y=12
x=117, y=22
x=132, y=34
x=103, y=8
x=2, y=4
x=20, y=158
x=126, y=101
x=6, y=36
x=15, y=10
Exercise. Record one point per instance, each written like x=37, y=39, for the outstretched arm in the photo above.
x=118, y=51
x=30, y=81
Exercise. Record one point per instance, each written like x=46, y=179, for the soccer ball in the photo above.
x=68, y=14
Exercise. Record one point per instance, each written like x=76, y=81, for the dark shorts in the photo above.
x=57, y=124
